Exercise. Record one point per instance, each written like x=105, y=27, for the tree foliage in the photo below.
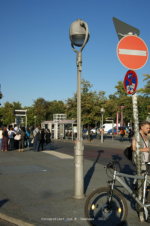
x=91, y=104
x=120, y=90
x=146, y=89
x=8, y=112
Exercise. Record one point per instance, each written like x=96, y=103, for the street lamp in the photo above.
x=79, y=36
x=102, y=111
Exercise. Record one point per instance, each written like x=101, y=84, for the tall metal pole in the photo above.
x=112, y=128
x=78, y=149
x=26, y=121
x=117, y=123
x=137, y=141
x=79, y=29
x=102, y=130
x=99, y=128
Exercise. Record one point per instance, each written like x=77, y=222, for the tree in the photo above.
x=56, y=107
x=112, y=97
x=8, y=112
x=30, y=115
x=91, y=103
x=146, y=89
x=120, y=90
x=40, y=109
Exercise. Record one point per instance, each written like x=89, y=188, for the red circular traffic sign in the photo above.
x=132, y=52
x=130, y=82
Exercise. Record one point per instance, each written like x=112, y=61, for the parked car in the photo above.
x=94, y=130
x=84, y=130
x=115, y=129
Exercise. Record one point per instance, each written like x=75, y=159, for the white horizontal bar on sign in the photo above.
x=132, y=52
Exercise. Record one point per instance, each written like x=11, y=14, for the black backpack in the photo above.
x=39, y=136
x=128, y=153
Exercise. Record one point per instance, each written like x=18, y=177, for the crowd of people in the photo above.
x=39, y=137
x=123, y=132
x=18, y=138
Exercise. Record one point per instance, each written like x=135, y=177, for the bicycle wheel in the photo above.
x=97, y=212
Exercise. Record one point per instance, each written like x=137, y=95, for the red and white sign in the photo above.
x=130, y=82
x=132, y=52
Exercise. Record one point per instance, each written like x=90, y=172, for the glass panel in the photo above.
x=78, y=39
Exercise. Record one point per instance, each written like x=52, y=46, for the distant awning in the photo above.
x=67, y=121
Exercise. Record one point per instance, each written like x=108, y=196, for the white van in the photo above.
x=108, y=126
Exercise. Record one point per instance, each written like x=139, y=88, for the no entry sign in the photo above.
x=132, y=52
x=130, y=82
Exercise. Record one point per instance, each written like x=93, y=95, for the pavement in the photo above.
x=37, y=188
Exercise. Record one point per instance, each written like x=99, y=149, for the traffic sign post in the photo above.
x=132, y=52
x=123, y=29
x=130, y=82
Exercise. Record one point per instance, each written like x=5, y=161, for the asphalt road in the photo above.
x=24, y=171
x=99, y=155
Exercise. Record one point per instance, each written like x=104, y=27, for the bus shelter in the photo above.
x=64, y=129
x=68, y=129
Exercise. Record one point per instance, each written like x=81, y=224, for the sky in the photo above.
x=36, y=58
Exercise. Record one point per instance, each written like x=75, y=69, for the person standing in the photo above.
x=11, y=134
x=48, y=140
x=5, y=139
x=21, y=141
x=1, y=137
x=121, y=134
x=144, y=148
x=36, y=141
x=15, y=128
x=41, y=138
x=131, y=134
x=144, y=143
x=27, y=141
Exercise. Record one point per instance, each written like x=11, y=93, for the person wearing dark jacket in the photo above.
x=41, y=138
x=48, y=140
x=21, y=141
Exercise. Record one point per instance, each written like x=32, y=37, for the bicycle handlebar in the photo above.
x=111, y=164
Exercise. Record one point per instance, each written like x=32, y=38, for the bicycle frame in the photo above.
x=117, y=175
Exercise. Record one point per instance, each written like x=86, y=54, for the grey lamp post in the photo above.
x=79, y=35
x=102, y=111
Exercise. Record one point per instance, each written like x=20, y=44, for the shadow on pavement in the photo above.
x=2, y=202
x=90, y=172
x=52, y=147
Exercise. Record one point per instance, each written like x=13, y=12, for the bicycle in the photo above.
x=107, y=206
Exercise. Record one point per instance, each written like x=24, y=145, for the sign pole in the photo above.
x=112, y=128
x=102, y=130
x=130, y=85
x=133, y=54
x=137, y=141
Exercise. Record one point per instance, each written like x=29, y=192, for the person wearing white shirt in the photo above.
x=15, y=128
x=11, y=138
